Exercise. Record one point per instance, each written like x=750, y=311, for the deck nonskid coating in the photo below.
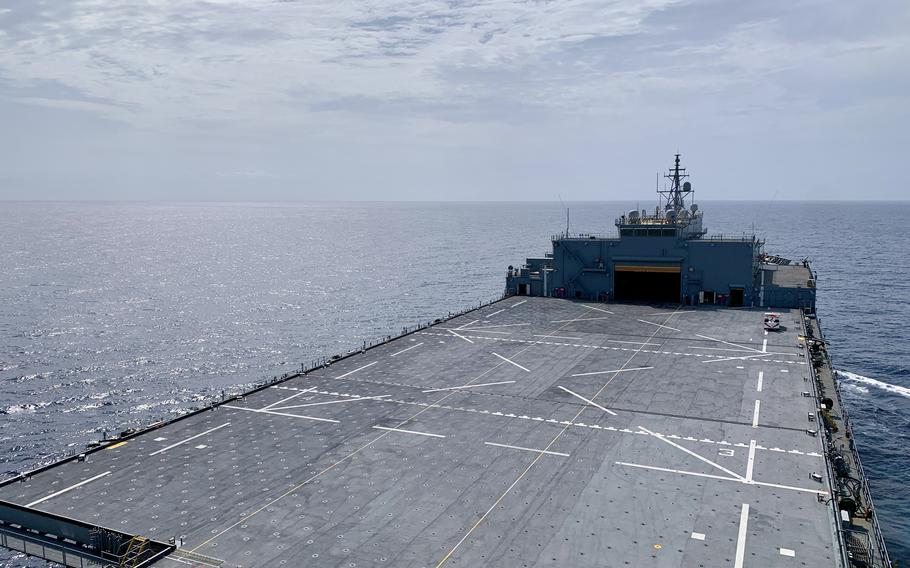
x=356, y=465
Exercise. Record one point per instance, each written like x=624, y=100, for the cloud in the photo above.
x=346, y=79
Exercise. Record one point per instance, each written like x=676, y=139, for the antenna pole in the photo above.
x=678, y=191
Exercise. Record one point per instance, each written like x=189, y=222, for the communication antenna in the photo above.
x=679, y=189
x=567, y=213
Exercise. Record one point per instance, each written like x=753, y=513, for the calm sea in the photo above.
x=117, y=314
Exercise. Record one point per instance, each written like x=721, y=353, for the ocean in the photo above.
x=115, y=315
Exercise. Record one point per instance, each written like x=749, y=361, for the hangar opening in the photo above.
x=639, y=283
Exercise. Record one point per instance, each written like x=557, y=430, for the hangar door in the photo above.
x=641, y=283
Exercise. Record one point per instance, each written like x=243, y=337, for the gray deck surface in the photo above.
x=787, y=275
x=301, y=474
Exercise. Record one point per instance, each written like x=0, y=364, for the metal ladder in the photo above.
x=134, y=551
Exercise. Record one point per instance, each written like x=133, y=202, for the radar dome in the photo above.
x=633, y=215
x=694, y=207
x=671, y=216
x=687, y=186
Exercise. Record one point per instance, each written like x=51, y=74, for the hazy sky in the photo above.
x=473, y=100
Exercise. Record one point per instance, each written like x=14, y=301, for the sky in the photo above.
x=374, y=100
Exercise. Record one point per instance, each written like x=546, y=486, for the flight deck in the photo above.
x=530, y=432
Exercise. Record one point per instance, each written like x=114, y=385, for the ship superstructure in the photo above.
x=665, y=255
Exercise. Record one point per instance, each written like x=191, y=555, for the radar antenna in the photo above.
x=678, y=190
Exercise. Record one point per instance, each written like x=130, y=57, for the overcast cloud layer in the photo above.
x=467, y=100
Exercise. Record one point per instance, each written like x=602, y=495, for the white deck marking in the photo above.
x=690, y=452
x=670, y=313
x=790, y=487
x=751, y=463
x=581, y=319
x=518, y=304
x=507, y=360
x=591, y=402
x=764, y=346
x=531, y=465
x=613, y=371
x=558, y=337
x=268, y=406
x=633, y=342
x=787, y=552
x=721, y=477
x=357, y=369
x=679, y=471
x=461, y=336
x=743, y=357
x=598, y=309
x=493, y=326
x=487, y=331
x=191, y=438
x=527, y=449
x=408, y=349
x=755, y=414
x=276, y=413
x=496, y=312
x=70, y=488
x=610, y=347
x=659, y=325
x=246, y=515
x=352, y=399
x=160, y=439
x=761, y=378
x=467, y=324
x=409, y=431
x=470, y=386
x=743, y=347
x=698, y=536
x=741, y=539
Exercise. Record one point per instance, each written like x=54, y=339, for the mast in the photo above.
x=675, y=196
